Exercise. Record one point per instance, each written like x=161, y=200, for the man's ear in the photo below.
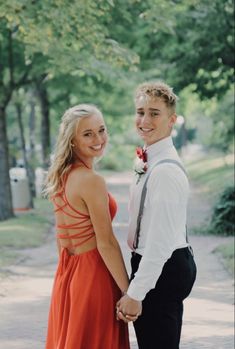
x=172, y=119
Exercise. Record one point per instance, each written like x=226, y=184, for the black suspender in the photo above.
x=143, y=195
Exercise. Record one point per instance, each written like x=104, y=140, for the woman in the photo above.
x=91, y=274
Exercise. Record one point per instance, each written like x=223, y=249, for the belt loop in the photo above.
x=191, y=250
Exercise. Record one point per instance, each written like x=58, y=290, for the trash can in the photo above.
x=19, y=189
x=40, y=175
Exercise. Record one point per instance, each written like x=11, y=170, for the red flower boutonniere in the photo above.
x=141, y=153
x=140, y=166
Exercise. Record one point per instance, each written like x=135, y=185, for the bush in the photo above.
x=223, y=216
x=119, y=157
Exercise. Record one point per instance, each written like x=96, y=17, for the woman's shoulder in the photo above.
x=86, y=178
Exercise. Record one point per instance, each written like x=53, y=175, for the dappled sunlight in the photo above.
x=208, y=310
x=56, y=54
x=205, y=163
x=15, y=228
x=220, y=161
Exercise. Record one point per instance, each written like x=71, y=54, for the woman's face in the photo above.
x=91, y=137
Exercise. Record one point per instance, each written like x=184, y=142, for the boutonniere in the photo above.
x=140, y=166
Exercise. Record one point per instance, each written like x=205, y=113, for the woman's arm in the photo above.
x=96, y=198
x=58, y=245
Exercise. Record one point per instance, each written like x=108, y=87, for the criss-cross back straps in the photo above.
x=86, y=231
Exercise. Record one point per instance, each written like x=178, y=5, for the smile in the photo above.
x=145, y=130
x=97, y=147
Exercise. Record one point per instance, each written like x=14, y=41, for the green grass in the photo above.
x=27, y=229
x=227, y=253
x=210, y=174
x=213, y=173
x=7, y=257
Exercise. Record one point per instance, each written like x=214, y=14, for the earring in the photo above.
x=72, y=145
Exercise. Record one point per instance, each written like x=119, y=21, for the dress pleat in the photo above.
x=82, y=310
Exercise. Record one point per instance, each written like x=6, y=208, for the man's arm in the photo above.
x=166, y=213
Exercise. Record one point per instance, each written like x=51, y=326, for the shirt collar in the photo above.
x=158, y=148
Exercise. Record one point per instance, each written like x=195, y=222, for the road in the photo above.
x=25, y=288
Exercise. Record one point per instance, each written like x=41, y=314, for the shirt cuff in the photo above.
x=135, y=294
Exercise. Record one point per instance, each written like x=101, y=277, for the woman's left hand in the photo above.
x=128, y=309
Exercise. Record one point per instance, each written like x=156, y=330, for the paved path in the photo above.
x=25, y=289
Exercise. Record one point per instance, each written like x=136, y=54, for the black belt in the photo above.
x=135, y=254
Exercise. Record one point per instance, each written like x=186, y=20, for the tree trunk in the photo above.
x=6, y=209
x=45, y=125
x=31, y=157
x=23, y=148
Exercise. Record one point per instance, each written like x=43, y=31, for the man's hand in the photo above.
x=128, y=309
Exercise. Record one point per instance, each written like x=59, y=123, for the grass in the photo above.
x=227, y=253
x=27, y=229
x=7, y=257
x=212, y=173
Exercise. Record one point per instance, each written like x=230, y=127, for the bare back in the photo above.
x=74, y=228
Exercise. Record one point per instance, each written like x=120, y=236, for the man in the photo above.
x=163, y=268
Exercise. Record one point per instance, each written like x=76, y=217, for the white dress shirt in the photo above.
x=163, y=224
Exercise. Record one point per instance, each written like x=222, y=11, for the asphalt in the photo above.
x=208, y=312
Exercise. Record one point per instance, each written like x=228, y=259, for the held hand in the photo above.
x=128, y=309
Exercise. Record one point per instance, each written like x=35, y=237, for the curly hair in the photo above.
x=154, y=90
x=63, y=156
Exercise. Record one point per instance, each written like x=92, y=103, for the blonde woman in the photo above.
x=91, y=274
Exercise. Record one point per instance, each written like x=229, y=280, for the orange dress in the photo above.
x=84, y=295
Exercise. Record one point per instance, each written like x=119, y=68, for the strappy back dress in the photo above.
x=84, y=295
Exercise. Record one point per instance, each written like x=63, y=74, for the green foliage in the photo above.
x=222, y=135
x=194, y=45
x=122, y=142
x=227, y=252
x=183, y=136
x=77, y=41
x=212, y=119
x=212, y=172
x=118, y=158
x=28, y=229
x=223, y=217
x=89, y=52
x=204, y=52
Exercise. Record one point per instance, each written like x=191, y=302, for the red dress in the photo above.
x=82, y=310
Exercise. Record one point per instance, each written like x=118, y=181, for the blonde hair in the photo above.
x=154, y=90
x=63, y=156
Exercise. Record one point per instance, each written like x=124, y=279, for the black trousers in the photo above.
x=159, y=326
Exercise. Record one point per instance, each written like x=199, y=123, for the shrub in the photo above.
x=223, y=216
x=119, y=157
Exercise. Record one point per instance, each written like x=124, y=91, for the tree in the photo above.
x=222, y=115
x=200, y=51
x=45, y=122
x=10, y=79
x=32, y=44
x=18, y=106
x=183, y=42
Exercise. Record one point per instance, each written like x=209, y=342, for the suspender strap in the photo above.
x=143, y=196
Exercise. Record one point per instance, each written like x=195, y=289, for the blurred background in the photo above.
x=55, y=54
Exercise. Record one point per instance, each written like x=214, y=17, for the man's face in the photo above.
x=154, y=120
